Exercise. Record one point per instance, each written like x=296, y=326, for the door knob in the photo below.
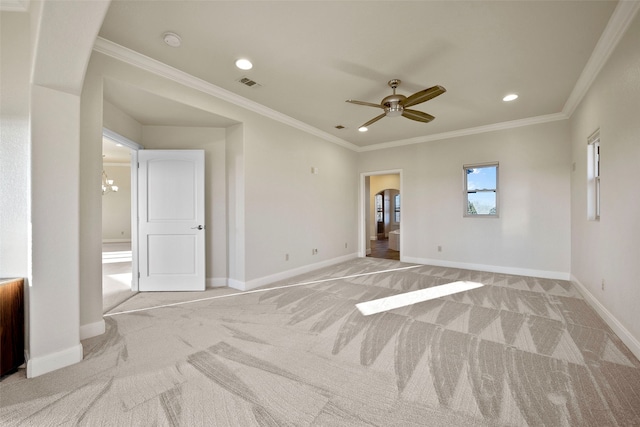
x=199, y=227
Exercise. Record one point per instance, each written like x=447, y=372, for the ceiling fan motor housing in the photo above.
x=393, y=105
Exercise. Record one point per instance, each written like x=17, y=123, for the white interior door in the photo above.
x=171, y=220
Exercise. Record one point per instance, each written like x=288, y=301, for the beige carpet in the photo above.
x=518, y=351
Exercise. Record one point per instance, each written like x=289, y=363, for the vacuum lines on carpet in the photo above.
x=260, y=290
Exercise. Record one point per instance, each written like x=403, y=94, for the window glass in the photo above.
x=481, y=190
x=593, y=176
x=379, y=208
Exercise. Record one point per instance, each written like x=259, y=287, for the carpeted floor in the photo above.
x=518, y=351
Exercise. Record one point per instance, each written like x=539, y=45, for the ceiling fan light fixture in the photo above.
x=510, y=97
x=244, y=64
x=394, y=109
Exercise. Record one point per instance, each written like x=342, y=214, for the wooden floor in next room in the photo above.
x=380, y=249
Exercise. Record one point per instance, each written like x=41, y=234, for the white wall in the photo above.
x=116, y=206
x=532, y=234
x=14, y=149
x=54, y=325
x=120, y=122
x=289, y=209
x=609, y=249
x=15, y=168
x=235, y=205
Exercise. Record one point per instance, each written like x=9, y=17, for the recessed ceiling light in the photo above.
x=510, y=97
x=244, y=64
x=172, y=39
x=363, y=129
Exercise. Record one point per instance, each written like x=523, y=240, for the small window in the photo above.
x=379, y=208
x=481, y=190
x=396, y=208
x=593, y=176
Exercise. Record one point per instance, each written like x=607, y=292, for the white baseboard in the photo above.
x=236, y=284
x=627, y=338
x=216, y=282
x=256, y=283
x=92, y=330
x=41, y=365
x=557, y=275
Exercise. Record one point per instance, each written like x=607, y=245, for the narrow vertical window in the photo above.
x=379, y=208
x=396, y=208
x=593, y=176
x=481, y=190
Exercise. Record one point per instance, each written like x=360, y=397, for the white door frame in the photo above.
x=134, y=147
x=363, y=235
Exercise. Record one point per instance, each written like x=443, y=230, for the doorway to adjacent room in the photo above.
x=381, y=214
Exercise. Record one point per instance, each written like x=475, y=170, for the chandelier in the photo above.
x=107, y=184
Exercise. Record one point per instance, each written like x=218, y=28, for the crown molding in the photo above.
x=151, y=65
x=620, y=20
x=119, y=139
x=617, y=26
x=469, y=131
x=14, y=5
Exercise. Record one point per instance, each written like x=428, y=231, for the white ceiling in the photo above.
x=311, y=56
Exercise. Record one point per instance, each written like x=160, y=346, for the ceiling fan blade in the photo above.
x=424, y=95
x=418, y=116
x=375, y=119
x=368, y=104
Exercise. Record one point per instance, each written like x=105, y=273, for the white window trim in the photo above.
x=593, y=176
x=465, y=193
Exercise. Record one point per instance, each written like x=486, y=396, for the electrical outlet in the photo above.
x=314, y=252
x=439, y=248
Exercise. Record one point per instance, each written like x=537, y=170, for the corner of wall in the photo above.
x=216, y=282
x=92, y=329
x=41, y=365
x=627, y=338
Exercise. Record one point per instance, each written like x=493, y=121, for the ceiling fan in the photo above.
x=396, y=105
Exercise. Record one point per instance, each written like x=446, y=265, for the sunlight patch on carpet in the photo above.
x=414, y=297
x=262, y=290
